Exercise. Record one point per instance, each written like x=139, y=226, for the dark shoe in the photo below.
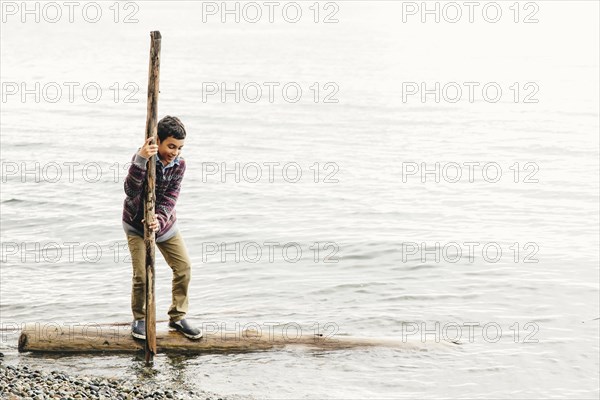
x=138, y=329
x=184, y=327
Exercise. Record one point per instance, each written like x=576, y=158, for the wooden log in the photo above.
x=149, y=234
x=91, y=338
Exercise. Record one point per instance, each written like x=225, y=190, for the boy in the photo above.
x=170, y=169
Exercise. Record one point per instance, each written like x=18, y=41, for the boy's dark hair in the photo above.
x=170, y=126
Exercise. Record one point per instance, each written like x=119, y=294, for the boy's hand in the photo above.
x=148, y=149
x=154, y=225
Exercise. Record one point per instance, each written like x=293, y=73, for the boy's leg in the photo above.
x=175, y=253
x=137, y=248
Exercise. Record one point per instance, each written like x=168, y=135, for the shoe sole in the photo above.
x=198, y=336
x=138, y=336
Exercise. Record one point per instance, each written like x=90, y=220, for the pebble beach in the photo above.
x=25, y=382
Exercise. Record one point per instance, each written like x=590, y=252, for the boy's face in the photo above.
x=170, y=148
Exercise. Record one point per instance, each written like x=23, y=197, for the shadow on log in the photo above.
x=91, y=338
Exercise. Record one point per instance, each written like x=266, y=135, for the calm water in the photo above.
x=366, y=210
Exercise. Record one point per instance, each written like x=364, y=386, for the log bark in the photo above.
x=149, y=235
x=92, y=338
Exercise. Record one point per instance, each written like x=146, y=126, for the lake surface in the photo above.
x=506, y=186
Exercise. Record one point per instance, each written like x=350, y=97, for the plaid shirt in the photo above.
x=167, y=187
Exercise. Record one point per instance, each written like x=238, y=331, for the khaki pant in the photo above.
x=175, y=254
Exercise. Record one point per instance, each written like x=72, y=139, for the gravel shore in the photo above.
x=23, y=382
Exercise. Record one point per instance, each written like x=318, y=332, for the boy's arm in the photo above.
x=134, y=182
x=165, y=207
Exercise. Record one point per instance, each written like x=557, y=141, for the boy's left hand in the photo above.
x=154, y=225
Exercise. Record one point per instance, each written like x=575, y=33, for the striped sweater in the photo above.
x=167, y=187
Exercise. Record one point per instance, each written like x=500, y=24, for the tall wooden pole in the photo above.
x=149, y=235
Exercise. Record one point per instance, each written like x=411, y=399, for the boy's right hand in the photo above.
x=148, y=149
